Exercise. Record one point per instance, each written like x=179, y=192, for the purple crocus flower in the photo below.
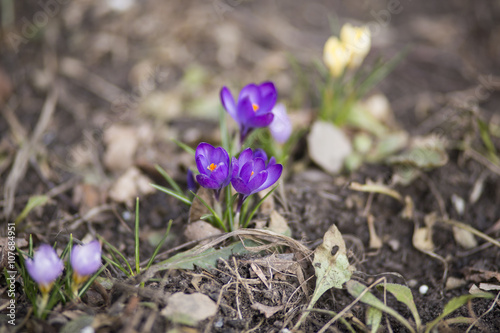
x=253, y=174
x=85, y=260
x=214, y=167
x=281, y=126
x=45, y=267
x=253, y=108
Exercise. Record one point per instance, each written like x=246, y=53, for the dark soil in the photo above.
x=106, y=64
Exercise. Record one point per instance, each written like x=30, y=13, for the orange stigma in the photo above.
x=212, y=167
x=255, y=107
x=251, y=174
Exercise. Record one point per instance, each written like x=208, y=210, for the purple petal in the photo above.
x=257, y=181
x=202, y=164
x=245, y=156
x=191, y=184
x=268, y=97
x=240, y=186
x=219, y=155
x=260, y=121
x=245, y=110
x=45, y=266
x=86, y=260
x=259, y=152
x=204, y=149
x=228, y=102
x=246, y=171
x=220, y=174
x=207, y=182
x=250, y=92
x=272, y=161
x=274, y=173
x=234, y=168
x=281, y=126
x=259, y=165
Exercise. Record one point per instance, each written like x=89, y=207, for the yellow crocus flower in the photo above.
x=335, y=56
x=357, y=41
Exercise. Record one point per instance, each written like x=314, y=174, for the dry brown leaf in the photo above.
x=266, y=310
x=200, y=230
x=121, y=145
x=277, y=223
x=480, y=275
x=129, y=186
x=198, y=209
x=189, y=309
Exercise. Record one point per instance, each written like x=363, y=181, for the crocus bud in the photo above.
x=191, y=183
x=335, y=56
x=45, y=267
x=357, y=41
x=85, y=260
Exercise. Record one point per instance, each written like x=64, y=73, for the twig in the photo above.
x=19, y=167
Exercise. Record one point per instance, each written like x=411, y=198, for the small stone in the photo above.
x=394, y=244
x=423, y=289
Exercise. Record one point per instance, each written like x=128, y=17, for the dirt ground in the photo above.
x=94, y=73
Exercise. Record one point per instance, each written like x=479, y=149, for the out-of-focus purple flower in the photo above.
x=281, y=126
x=45, y=267
x=191, y=183
x=254, y=173
x=214, y=167
x=85, y=260
x=253, y=108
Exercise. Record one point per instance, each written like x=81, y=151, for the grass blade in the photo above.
x=169, y=179
x=178, y=196
x=157, y=249
x=136, y=236
x=185, y=147
x=114, y=249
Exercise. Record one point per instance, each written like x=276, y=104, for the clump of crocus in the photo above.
x=281, y=126
x=255, y=173
x=214, y=166
x=348, y=51
x=253, y=108
x=45, y=268
x=85, y=260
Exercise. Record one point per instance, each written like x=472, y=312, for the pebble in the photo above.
x=423, y=289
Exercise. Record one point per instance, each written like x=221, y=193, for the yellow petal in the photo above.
x=335, y=56
x=357, y=41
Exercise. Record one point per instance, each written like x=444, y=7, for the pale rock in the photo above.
x=328, y=146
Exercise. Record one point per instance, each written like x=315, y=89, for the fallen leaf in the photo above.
x=189, y=309
x=278, y=224
x=121, y=144
x=199, y=230
x=129, y=186
x=198, y=209
x=266, y=310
